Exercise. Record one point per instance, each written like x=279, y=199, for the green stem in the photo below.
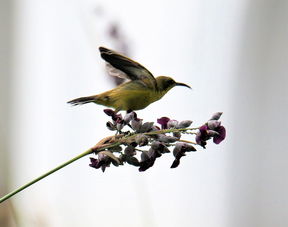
x=89, y=151
x=44, y=175
x=169, y=130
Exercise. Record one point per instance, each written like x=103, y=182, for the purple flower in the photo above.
x=115, y=117
x=221, y=135
x=148, y=157
x=109, y=112
x=102, y=162
x=105, y=158
x=202, y=136
x=150, y=135
x=216, y=130
x=212, y=129
x=163, y=122
x=128, y=156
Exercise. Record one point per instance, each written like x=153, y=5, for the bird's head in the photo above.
x=165, y=83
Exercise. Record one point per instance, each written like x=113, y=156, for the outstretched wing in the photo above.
x=124, y=67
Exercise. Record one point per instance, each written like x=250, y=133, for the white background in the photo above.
x=232, y=53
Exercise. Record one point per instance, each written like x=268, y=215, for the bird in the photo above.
x=141, y=89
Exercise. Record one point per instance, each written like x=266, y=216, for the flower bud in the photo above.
x=130, y=150
x=175, y=163
x=129, y=116
x=177, y=135
x=132, y=161
x=155, y=145
x=154, y=153
x=159, y=146
x=172, y=123
x=164, y=150
x=142, y=140
x=177, y=149
x=213, y=124
x=184, y=124
x=178, y=152
x=216, y=116
x=94, y=163
x=144, y=156
x=136, y=124
x=188, y=147
x=102, y=162
x=166, y=139
x=146, y=127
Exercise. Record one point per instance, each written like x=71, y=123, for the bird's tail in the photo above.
x=82, y=100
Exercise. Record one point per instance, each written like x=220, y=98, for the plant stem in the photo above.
x=169, y=130
x=89, y=151
x=45, y=175
x=186, y=141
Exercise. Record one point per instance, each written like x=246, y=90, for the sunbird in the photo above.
x=140, y=91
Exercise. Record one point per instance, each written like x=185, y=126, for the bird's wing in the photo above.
x=124, y=67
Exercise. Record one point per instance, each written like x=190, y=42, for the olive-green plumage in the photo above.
x=136, y=94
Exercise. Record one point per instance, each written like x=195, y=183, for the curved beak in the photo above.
x=182, y=84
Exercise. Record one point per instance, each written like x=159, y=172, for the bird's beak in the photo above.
x=181, y=84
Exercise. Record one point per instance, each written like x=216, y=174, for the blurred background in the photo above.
x=234, y=54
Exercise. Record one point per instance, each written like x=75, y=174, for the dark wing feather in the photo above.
x=132, y=69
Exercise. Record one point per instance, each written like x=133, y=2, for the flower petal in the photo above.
x=163, y=122
x=109, y=112
x=222, y=134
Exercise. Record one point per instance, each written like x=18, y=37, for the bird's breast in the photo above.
x=135, y=99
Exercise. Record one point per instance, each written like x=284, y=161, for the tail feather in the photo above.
x=82, y=100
